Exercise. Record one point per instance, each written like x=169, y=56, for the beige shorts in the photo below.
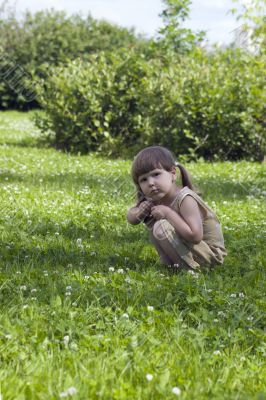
x=194, y=255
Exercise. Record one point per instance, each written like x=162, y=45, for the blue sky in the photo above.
x=210, y=15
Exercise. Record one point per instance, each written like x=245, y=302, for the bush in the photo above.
x=212, y=106
x=31, y=45
x=203, y=105
x=97, y=105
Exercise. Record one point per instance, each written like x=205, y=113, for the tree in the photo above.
x=252, y=34
x=173, y=36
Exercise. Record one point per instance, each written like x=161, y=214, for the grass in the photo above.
x=87, y=312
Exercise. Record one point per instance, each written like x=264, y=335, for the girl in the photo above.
x=184, y=230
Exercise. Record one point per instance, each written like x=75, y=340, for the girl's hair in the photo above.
x=156, y=157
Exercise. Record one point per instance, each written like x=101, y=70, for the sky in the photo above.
x=210, y=15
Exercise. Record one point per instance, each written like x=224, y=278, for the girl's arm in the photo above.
x=132, y=216
x=135, y=215
x=188, y=224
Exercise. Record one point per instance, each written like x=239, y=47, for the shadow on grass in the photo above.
x=106, y=249
x=30, y=143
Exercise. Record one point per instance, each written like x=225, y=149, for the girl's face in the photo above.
x=158, y=184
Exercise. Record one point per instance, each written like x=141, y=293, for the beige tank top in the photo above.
x=212, y=231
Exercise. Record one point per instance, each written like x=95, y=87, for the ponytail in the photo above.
x=185, y=177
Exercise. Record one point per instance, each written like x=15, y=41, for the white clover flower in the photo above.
x=241, y=295
x=176, y=391
x=66, y=340
x=233, y=295
x=69, y=288
x=193, y=273
x=86, y=277
x=79, y=242
x=149, y=377
x=8, y=336
x=120, y=271
x=57, y=233
x=25, y=306
x=217, y=353
x=216, y=320
x=33, y=290
x=93, y=253
x=221, y=313
x=23, y=287
x=128, y=280
x=125, y=315
x=72, y=390
x=111, y=269
x=68, y=293
x=150, y=308
x=250, y=318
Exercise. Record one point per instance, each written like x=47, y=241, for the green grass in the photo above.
x=68, y=321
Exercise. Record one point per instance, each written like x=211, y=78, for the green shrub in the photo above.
x=201, y=105
x=36, y=42
x=97, y=105
x=212, y=106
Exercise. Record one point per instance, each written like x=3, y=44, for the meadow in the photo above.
x=87, y=311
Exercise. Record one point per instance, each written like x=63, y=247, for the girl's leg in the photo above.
x=165, y=260
x=171, y=245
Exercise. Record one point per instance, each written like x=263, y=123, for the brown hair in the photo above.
x=156, y=157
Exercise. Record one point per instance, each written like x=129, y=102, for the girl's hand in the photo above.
x=159, y=212
x=144, y=210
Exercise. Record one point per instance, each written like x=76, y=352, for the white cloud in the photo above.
x=209, y=15
x=217, y=4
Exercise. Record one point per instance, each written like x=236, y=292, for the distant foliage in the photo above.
x=205, y=105
x=105, y=89
x=30, y=46
x=98, y=105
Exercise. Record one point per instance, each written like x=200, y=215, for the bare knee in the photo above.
x=159, y=229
